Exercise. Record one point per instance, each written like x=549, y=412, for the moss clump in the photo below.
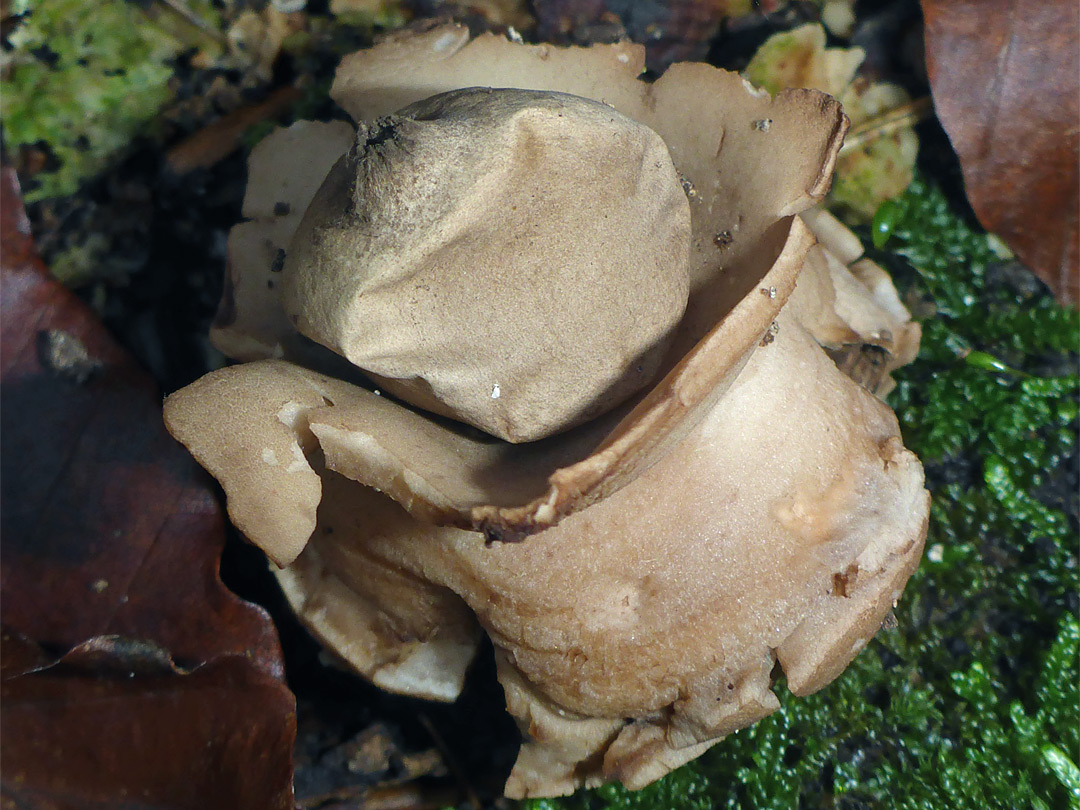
x=86, y=78
x=971, y=701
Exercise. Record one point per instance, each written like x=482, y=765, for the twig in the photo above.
x=216, y=142
x=451, y=762
x=906, y=115
x=179, y=7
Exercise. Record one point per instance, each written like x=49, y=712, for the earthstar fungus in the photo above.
x=749, y=505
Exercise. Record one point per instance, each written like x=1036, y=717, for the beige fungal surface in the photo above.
x=670, y=601
x=513, y=259
x=751, y=505
x=284, y=172
x=849, y=304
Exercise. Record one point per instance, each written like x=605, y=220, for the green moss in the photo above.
x=685, y=789
x=972, y=701
x=86, y=78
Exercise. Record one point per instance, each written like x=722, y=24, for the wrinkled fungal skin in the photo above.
x=754, y=507
x=692, y=579
x=513, y=259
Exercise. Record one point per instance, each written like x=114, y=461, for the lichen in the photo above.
x=83, y=79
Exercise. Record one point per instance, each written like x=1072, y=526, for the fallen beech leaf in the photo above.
x=1005, y=77
x=115, y=723
x=109, y=529
x=107, y=526
x=19, y=655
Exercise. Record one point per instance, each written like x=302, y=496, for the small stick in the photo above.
x=451, y=762
x=180, y=8
x=220, y=139
x=906, y=115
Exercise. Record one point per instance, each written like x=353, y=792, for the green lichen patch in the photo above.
x=83, y=79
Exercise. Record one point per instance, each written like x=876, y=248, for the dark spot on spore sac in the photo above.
x=282, y=209
x=770, y=334
x=723, y=239
x=381, y=131
x=278, y=264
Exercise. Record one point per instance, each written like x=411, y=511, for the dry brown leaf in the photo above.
x=174, y=690
x=1005, y=76
x=116, y=723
